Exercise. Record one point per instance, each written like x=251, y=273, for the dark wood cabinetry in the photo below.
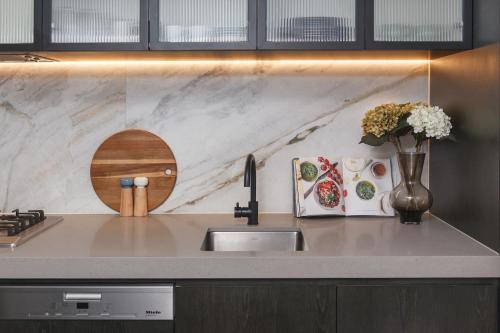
x=467, y=86
x=312, y=306
x=381, y=306
x=85, y=326
x=257, y=307
x=433, y=308
x=24, y=326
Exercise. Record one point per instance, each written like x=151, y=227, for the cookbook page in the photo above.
x=320, y=184
x=298, y=191
x=367, y=185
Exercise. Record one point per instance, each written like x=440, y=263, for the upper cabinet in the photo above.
x=311, y=24
x=121, y=25
x=419, y=24
x=203, y=24
x=95, y=25
x=20, y=25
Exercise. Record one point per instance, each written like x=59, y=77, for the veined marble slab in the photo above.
x=54, y=115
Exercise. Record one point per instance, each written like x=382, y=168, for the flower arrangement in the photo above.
x=389, y=122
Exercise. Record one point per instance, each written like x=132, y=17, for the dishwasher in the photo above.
x=82, y=308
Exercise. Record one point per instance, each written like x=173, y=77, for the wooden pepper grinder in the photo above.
x=127, y=199
x=141, y=196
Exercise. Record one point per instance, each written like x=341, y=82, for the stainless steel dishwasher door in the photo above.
x=128, y=302
x=81, y=308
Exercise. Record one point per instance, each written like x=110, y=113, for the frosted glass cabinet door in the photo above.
x=95, y=24
x=311, y=24
x=20, y=25
x=202, y=24
x=426, y=24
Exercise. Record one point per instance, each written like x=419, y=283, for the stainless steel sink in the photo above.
x=254, y=239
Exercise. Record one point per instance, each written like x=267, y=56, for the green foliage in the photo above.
x=372, y=140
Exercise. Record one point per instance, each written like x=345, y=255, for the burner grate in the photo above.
x=17, y=221
x=17, y=227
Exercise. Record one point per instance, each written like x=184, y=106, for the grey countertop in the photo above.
x=168, y=247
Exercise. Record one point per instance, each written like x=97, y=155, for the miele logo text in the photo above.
x=153, y=312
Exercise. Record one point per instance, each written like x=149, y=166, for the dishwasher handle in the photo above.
x=78, y=297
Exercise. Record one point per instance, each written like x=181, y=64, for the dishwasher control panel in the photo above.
x=114, y=302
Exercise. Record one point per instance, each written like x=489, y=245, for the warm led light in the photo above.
x=231, y=61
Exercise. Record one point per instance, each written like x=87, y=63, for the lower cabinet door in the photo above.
x=256, y=307
x=86, y=326
x=439, y=308
x=24, y=326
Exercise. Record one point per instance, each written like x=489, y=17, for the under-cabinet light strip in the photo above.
x=237, y=62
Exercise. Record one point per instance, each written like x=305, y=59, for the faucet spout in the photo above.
x=250, y=177
x=250, y=180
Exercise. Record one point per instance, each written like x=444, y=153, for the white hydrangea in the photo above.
x=430, y=119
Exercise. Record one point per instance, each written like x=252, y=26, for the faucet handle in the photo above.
x=237, y=211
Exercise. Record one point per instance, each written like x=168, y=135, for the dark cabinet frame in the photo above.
x=155, y=44
x=266, y=45
x=257, y=33
x=37, y=33
x=49, y=46
x=371, y=44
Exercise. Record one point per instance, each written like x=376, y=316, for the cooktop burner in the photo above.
x=17, y=227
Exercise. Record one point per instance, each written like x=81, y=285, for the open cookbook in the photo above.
x=344, y=186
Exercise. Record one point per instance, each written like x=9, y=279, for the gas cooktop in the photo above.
x=17, y=227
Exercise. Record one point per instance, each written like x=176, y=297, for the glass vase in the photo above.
x=410, y=198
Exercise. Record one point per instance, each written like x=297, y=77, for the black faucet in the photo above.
x=252, y=211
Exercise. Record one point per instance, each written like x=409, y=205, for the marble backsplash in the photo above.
x=212, y=114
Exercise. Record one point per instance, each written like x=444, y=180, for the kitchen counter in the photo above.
x=168, y=247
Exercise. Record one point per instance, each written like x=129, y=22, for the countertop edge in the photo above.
x=252, y=268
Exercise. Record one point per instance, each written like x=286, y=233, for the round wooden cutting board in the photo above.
x=133, y=153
